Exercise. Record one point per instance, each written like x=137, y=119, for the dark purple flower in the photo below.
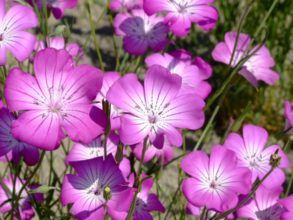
x=98, y=185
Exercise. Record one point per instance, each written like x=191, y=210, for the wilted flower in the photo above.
x=98, y=186
x=257, y=67
x=13, y=34
x=141, y=31
x=11, y=147
x=251, y=154
x=263, y=206
x=193, y=76
x=59, y=99
x=182, y=13
x=155, y=110
x=215, y=182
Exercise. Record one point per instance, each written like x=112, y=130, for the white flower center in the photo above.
x=255, y=161
x=182, y=5
x=96, y=190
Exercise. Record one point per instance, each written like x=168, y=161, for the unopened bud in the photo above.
x=107, y=194
x=275, y=159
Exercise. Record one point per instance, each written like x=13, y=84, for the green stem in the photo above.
x=93, y=34
x=32, y=174
x=172, y=200
x=203, y=213
x=44, y=21
x=138, y=180
x=289, y=184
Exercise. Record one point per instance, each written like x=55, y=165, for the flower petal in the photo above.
x=38, y=129
x=22, y=91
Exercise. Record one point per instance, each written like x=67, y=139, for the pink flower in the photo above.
x=252, y=155
x=287, y=204
x=193, y=76
x=11, y=147
x=58, y=43
x=57, y=100
x=94, y=149
x=13, y=34
x=115, y=5
x=56, y=6
x=215, y=182
x=141, y=31
x=164, y=155
x=182, y=13
x=97, y=186
x=257, y=67
x=25, y=209
x=155, y=110
x=288, y=112
x=108, y=80
x=263, y=206
x=147, y=202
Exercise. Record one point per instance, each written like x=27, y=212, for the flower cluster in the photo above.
x=124, y=128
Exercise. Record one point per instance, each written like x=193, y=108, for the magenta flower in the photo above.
x=11, y=147
x=252, y=155
x=94, y=149
x=141, y=31
x=147, y=202
x=182, y=13
x=13, y=35
x=288, y=112
x=108, y=80
x=98, y=185
x=165, y=154
x=115, y=5
x=155, y=110
x=263, y=206
x=193, y=76
x=287, y=204
x=25, y=209
x=56, y=6
x=58, y=100
x=215, y=182
x=58, y=43
x=257, y=67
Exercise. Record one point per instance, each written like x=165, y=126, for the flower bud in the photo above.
x=275, y=159
x=107, y=194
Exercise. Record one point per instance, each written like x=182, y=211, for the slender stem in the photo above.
x=93, y=34
x=172, y=200
x=107, y=110
x=203, y=213
x=289, y=183
x=138, y=180
x=207, y=127
x=265, y=18
x=33, y=173
x=45, y=21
